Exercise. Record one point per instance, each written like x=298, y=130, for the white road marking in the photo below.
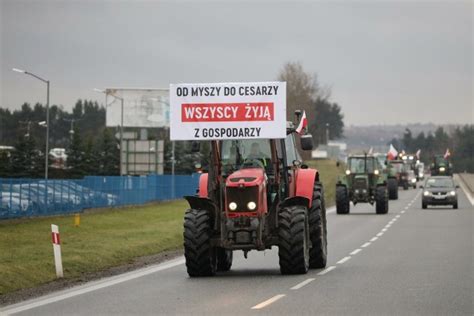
x=374, y=239
x=300, y=285
x=398, y=216
x=366, y=245
x=327, y=270
x=388, y=225
x=403, y=212
x=379, y=234
x=93, y=286
x=406, y=207
x=356, y=251
x=332, y=209
x=384, y=229
x=344, y=260
x=269, y=301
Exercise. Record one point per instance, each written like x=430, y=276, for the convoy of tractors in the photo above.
x=258, y=193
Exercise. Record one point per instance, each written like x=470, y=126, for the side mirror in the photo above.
x=195, y=147
x=306, y=142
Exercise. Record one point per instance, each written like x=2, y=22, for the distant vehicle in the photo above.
x=392, y=181
x=441, y=166
x=399, y=169
x=439, y=190
x=363, y=182
x=421, y=170
x=411, y=178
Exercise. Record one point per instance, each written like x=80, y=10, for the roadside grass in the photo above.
x=104, y=239
x=328, y=172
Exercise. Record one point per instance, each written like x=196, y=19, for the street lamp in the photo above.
x=46, y=155
x=121, y=122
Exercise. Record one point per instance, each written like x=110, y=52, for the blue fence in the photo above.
x=36, y=197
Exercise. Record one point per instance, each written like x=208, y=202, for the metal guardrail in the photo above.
x=39, y=197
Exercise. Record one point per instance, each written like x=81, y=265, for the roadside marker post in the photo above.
x=77, y=219
x=57, y=250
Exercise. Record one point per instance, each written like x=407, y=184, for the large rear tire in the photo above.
x=293, y=248
x=318, y=229
x=200, y=256
x=392, y=185
x=342, y=200
x=381, y=200
x=224, y=259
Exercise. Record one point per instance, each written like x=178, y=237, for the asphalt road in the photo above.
x=410, y=261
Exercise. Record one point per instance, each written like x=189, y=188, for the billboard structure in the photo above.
x=143, y=108
x=138, y=108
x=238, y=110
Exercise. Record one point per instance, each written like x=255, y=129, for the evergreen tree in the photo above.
x=109, y=155
x=25, y=159
x=5, y=165
x=91, y=157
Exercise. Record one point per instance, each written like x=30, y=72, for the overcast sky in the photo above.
x=386, y=62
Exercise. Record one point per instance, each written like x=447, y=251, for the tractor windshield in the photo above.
x=440, y=160
x=247, y=153
x=361, y=165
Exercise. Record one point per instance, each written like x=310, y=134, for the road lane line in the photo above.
x=300, y=285
x=374, y=239
x=330, y=210
x=384, y=229
x=268, y=302
x=398, y=216
x=93, y=286
x=403, y=212
x=366, y=245
x=344, y=260
x=327, y=270
x=406, y=207
x=356, y=251
x=379, y=234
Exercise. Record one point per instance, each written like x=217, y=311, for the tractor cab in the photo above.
x=441, y=166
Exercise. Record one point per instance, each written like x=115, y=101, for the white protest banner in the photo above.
x=244, y=110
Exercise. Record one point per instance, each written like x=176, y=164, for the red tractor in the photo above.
x=257, y=194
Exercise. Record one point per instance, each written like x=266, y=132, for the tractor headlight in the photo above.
x=348, y=172
x=413, y=180
x=421, y=174
x=376, y=172
x=426, y=193
x=442, y=169
x=251, y=206
x=453, y=193
x=232, y=206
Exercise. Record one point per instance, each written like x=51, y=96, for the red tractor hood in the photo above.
x=246, y=177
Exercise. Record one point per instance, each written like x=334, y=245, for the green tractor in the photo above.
x=363, y=182
x=441, y=166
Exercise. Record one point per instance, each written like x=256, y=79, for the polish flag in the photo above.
x=418, y=154
x=447, y=154
x=303, y=124
x=392, y=153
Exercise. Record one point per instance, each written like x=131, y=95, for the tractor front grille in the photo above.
x=242, y=196
x=360, y=184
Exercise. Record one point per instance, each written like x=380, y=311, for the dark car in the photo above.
x=439, y=190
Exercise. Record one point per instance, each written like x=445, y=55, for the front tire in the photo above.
x=318, y=229
x=392, y=185
x=455, y=206
x=200, y=256
x=381, y=200
x=293, y=248
x=342, y=200
x=424, y=206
